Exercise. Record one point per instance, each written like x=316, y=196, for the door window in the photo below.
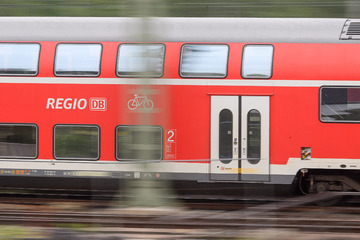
x=225, y=135
x=253, y=136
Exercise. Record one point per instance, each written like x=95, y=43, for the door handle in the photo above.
x=235, y=146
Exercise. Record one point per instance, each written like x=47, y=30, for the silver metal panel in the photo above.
x=250, y=30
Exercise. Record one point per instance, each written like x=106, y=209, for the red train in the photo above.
x=268, y=101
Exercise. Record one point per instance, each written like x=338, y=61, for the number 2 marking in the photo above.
x=171, y=134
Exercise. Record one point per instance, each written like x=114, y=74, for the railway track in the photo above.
x=183, y=223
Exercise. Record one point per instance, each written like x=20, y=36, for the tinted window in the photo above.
x=257, y=61
x=254, y=136
x=340, y=104
x=139, y=142
x=18, y=141
x=204, y=60
x=76, y=142
x=78, y=60
x=19, y=58
x=136, y=60
x=225, y=135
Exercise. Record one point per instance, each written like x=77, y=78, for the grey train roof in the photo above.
x=255, y=30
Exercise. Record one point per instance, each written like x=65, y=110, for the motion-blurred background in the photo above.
x=183, y=8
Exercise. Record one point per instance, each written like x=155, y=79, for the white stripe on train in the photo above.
x=181, y=82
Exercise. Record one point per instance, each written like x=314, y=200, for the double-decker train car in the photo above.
x=210, y=100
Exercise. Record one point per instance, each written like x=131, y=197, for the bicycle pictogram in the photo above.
x=140, y=100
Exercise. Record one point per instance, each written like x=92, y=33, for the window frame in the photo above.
x=205, y=44
x=74, y=158
x=243, y=56
x=320, y=105
x=77, y=43
x=38, y=59
x=139, y=75
x=135, y=159
x=36, y=140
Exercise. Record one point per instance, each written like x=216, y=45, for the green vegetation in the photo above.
x=20, y=232
x=182, y=8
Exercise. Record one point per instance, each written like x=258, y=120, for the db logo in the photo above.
x=98, y=104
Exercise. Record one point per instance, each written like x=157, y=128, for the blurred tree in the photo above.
x=183, y=8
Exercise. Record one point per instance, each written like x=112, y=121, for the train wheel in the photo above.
x=323, y=187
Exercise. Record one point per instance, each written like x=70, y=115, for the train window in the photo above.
x=257, y=61
x=140, y=60
x=340, y=104
x=254, y=136
x=19, y=59
x=78, y=60
x=18, y=141
x=77, y=142
x=139, y=143
x=204, y=60
x=225, y=135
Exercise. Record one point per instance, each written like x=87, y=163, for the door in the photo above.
x=240, y=138
x=224, y=138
